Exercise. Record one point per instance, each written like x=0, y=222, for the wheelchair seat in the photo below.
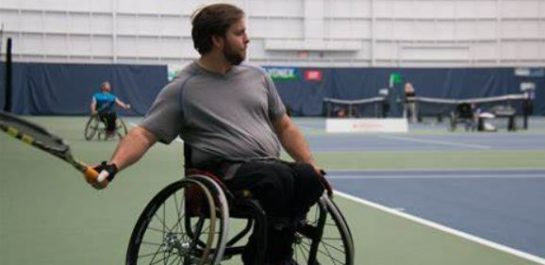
x=96, y=127
x=191, y=221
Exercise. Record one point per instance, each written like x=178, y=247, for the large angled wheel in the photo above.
x=91, y=127
x=182, y=224
x=325, y=238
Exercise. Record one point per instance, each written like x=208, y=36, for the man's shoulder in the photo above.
x=185, y=74
x=104, y=96
x=245, y=67
x=180, y=81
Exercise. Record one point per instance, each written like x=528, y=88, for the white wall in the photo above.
x=295, y=32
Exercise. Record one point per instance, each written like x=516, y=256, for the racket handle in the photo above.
x=92, y=177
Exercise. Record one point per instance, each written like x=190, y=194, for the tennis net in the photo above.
x=440, y=107
x=370, y=107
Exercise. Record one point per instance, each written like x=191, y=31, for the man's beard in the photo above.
x=233, y=57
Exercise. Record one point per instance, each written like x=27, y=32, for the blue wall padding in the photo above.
x=66, y=89
x=304, y=97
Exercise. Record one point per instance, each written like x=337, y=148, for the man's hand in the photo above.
x=106, y=173
x=323, y=180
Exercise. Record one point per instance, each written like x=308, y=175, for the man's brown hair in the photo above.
x=212, y=20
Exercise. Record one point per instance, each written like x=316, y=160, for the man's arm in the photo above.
x=295, y=144
x=132, y=147
x=122, y=104
x=93, y=106
x=293, y=140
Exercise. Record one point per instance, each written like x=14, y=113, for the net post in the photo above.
x=526, y=103
x=8, y=75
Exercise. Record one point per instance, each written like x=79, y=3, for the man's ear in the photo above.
x=218, y=41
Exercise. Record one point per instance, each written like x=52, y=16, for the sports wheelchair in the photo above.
x=191, y=220
x=464, y=114
x=95, y=126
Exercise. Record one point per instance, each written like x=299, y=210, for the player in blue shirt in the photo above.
x=103, y=104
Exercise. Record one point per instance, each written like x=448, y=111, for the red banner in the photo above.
x=313, y=75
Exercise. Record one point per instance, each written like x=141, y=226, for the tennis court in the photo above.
x=426, y=197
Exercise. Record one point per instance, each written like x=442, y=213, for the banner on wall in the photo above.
x=395, y=79
x=530, y=72
x=367, y=125
x=313, y=75
x=282, y=73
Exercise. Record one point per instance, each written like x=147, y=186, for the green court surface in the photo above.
x=49, y=215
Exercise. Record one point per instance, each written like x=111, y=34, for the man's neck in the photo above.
x=215, y=63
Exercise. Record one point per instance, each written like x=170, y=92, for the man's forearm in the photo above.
x=295, y=144
x=132, y=147
x=293, y=140
x=121, y=104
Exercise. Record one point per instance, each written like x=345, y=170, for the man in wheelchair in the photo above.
x=465, y=113
x=233, y=123
x=103, y=104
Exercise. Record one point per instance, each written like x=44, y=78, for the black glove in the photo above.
x=111, y=170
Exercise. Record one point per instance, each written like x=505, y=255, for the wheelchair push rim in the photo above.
x=166, y=231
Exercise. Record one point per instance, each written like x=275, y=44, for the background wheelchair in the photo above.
x=96, y=127
x=190, y=222
x=465, y=115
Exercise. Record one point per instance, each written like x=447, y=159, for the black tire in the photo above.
x=91, y=127
x=325, y=238
x=167, y=232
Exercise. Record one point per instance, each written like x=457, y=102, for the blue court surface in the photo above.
x=487, y=187
x=506, y=207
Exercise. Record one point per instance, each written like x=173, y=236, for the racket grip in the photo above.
x=91, y=176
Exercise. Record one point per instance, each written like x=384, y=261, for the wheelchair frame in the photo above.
x=95, y=126
x=200, y=211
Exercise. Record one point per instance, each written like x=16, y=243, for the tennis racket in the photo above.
x=40, y=138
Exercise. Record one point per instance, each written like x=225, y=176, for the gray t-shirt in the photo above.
x=228, y=116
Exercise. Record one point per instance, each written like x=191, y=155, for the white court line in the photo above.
x=464, y=176
x=475, y=146
x=456, y=170
x=445, y=229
